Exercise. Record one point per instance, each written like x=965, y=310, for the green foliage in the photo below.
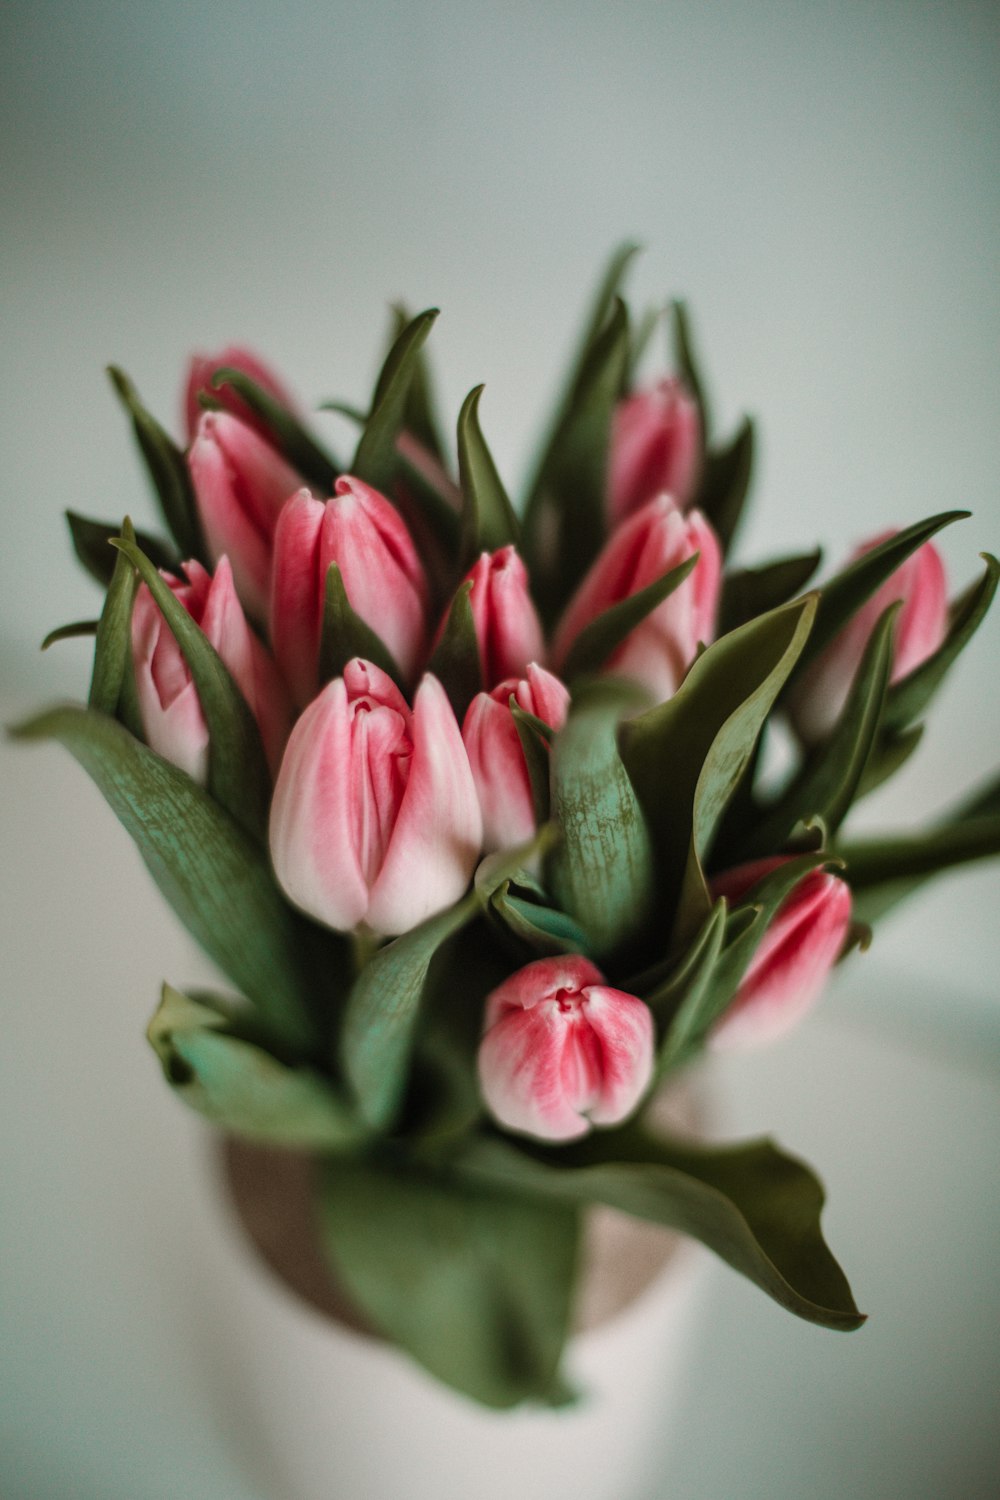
x=345, y=635
x=488, y=519
x=455, y=661
x=292, y=440
x=598, y=640
x=113, y=646
x=167, y=468
x=92, y=545
x=375, y=459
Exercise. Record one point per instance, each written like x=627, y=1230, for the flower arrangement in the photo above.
x=465, y=799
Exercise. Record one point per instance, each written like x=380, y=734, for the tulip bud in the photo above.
x=172, y=720
x=497, y=757
x=240, y=484
x=787, y=973
x=921, y=624
x=658, y=652
x=201, y=371
x=360, y=531
x=655, y=449
x=562, y=1051
x=507, y=624
x=375, y=817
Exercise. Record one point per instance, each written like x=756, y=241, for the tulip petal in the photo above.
x=296, y=603
x=623, y=1025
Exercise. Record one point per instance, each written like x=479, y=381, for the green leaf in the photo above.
x=641, y=336
x=543, y=929
x=419, y=417
x=70, y=632
x=242, y=1087
x=237, y=768
x=601, y=871
x=92, y=545
x=725, y=483
x=475, y=1284
x=605, y=634
x=215, y=876
x=346, y=635
x=881, y=872
x=749, y=592
x=293, y=441
x=375, y=459
x=687, y=365
x=113, y=647
x=686, y=756
x=678, y=1002
x=755, y=1207
x=847, y=591
x=911, y=694
x=455, y=661
x=488, y=519
x=382, y=1012
x=168, y=470
x=889, y=755
x=536, y=741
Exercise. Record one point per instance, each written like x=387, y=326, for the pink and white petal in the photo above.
x=296, y=602
x=623, y=1025
x=521, y=1074
x=540, y=980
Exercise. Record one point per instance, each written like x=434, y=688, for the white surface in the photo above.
x=819, y=181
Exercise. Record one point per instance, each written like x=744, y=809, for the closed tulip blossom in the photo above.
x=201, y=373
x=655, y=449
x=562, y=1051
x=240, y=484
x=790, y=967
x=375, y=819
x=384, y=579
x=497, y=758
x=172, y=718
x=658, y=652
x=920, y=628
x=507, y=625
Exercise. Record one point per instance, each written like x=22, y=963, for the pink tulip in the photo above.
x=655, y=449
x=172, y=720
x=920, y=628
x=375, y=818
x=240, y=484
x=384, y=580
x=497, y=759
x=562, y=1051
x=201, y=370
x=507, y=625
x=658, y=652
x=789, y=969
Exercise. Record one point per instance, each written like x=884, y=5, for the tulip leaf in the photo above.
x=911, y=694
x=687, y=365
x=605, y=634
x=237, y=769
x=241, y=1086
x=725, y=483
x=488, y=519
x=754, y=1206
x=113, y=647
x=91, y=543
x=455, y=661
x=70, y=632
x=676, y=1001
x=292, y=440
x=382, y=1011
x=419, y=417
x=168, y=470
x=376, y=460
x=215, y=876
x=601, y=872
x=686, y=756
x=536, y=741
x=749, y=592
x=346, y=635
x=543, y=929
x=847, y=591
x=475, y=1284
x=882, y=871
x=888, y=756
x=640, y=340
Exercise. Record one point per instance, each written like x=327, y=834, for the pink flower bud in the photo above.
x=789, y=969
x=171, y=714
x=240, y=484
x=658, y=651
x=507, y=625
x=384, y=580
x=920, y=628
x=375, y=817
x=562, y=1051
x=497, y=759
x=655, y=449
x=201, y=371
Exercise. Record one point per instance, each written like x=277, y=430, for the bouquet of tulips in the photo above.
x=465, y=799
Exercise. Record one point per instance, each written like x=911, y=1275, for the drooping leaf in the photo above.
x=92, y=545
x=605, y=634
x=382, y=1012
x=71, y=632
x=292, y=440
x=749, y=592
x=215, y=876
x=755, y=1207
x=883, y=871
x=345, y=635
x=238, y=776
x=242, y=1087
x=113, y=646
x=474, y=1283
x=455, y=661
x=376, y=460
x=686, y=756
x=725, y=482
x=168, y=470
x=488, y=519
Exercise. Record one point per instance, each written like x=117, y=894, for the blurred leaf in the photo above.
x=488, y=519
x=889, y=755
x=753, y=591
x=168, y=470
x=376, y=460
x=677, y=1002
x=420, y=414
x=536, y=741
x=113, y=647
x=455, y=661
x=641, y=336
x=543, y=929
x=289, y=436
x=346, y=635
x=882, y=871
x=92, y=545
x=605, y=634
x=70, y=632
x=725, y=483
x=687, y=365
